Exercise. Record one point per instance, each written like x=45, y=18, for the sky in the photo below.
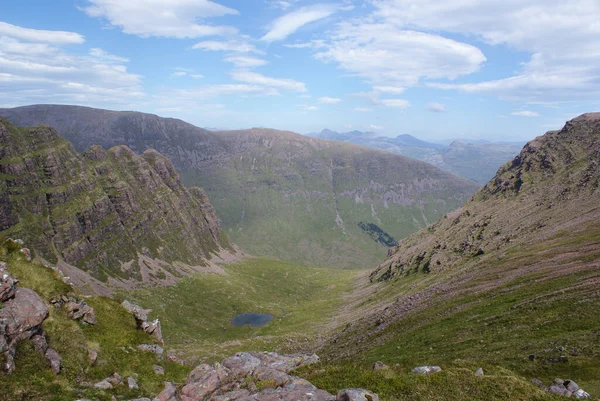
x=501, y=70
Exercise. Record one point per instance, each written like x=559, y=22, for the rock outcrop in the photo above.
x=76, y=310
x=112, y=213
x=250, y=377
x=21, y=318
x=141, y=318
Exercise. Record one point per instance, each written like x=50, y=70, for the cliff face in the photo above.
x=279, y=193
x=104, y=211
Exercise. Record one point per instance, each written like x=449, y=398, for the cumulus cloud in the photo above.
x=375, y=127
x=560, y=36
x=254, y=78
x=390, y=57
x=163, y=18
x=389, y=89
x=436, y=107
x=329, y=100
x=525, y=113
x=34, y=72
x=289, y=23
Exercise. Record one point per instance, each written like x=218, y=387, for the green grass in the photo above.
x=115, y=337
x=196, y=312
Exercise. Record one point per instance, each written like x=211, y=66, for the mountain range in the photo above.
x=278, y=193
x=476, y=161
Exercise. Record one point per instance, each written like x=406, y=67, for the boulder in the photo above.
x=78, y=310
x=158, y=370
x=21, y=318
x=426, y=370
x=103, y=385
x=380, y=366
x=169, y=393
x=157, y=349
x=55, y=360
x=356, y=394
x=132, y=383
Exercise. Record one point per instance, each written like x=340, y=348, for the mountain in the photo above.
x=507, y=282
x=279, y=193
x=477, y=161
x=111, y=213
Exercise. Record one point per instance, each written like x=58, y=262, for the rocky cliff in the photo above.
x=110, y=212
x=279, y=193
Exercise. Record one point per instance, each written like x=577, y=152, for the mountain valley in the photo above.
x=507, y=283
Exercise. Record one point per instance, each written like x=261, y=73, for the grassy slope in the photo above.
x=196, y=312
x=111, y=337
x=533, y=291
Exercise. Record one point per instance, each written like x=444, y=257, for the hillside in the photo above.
x=475, y=161
x=120, y=217
x=279, y=193
x=508, y=282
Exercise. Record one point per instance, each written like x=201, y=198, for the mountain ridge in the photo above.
x=275, y=188
x=99, y=210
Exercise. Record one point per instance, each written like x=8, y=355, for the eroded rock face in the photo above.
x=251, y=377
x=21, y=318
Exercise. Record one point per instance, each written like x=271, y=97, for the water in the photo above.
x=251, y=318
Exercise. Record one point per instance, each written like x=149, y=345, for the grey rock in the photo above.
x=380, y=365
x=7, y=284
x=559, y=390
x=169, y=393
x=426, y=370
x=157, y=349
x=159, y=370
x=132, y=383
x=103, y=385
x=356, y=394
x=92, y=356
x=571, y=385
x=538, y=383
x=580, y=394
x=55, y=360
x=479, y=372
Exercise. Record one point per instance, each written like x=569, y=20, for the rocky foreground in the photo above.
x=263, y=376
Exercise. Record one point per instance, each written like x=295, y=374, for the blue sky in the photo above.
x=494, y=69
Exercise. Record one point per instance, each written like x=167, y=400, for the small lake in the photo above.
x=251, y=318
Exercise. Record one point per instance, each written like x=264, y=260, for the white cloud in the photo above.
x=397, y=103
x=286, y=25
x=390, y=57
x=389, y=89
x=436, y=107
x=40, y=36
x=196, y=76
x=245, y=61
x=561, y=37
x=254, y=78
x=229, y=46
x=375, y=127
x=362, y=109
x=308, y=107
x=163, y=18
x=525, y=113
x=329, y=100
x=38, y=73
x=179, y=74
x=313, y=44
x=282, y=4
x=101, y=56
